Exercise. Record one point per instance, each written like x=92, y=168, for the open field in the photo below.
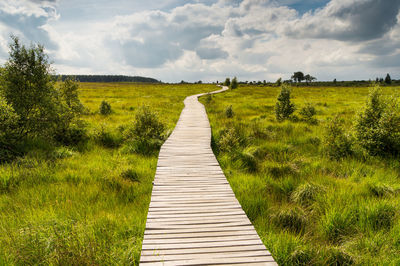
x=86, y=205
x=307, y=208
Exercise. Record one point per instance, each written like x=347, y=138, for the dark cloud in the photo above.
x=211, y=53
x=29, y=26
x=355, y=21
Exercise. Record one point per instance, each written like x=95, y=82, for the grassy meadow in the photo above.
x=307, y=208
x=86, y=204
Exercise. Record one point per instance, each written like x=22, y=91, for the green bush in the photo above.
x=378, y=126
x=337, y=143
x=229, y=112
x=231, y=138
x=227, y=82
x=284, y=108
x=307, y=113
x=234, y=83
x=148, y=125
x=105, y=108
x=74, y=134
x=107, y=138
x=208, y=98
x=146, y=134
x=8, y=130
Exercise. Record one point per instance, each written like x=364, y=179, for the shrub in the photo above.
x=307, y=113
x=208, y=98
x=147, y=124
x=227, y=82
x=337, y=143
x=75, y=134
x=229, y=112
x=306, y=194
x=147, y=133
x=234, y=83
x=8, y=130
x=292, y=219
x=105, y=108
x=105, y=137
x=229, y=140
x=378, y=126
x=284, y=108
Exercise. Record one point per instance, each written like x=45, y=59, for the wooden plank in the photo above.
x=194, y=217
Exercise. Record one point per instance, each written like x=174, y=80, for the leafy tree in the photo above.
x=227, y=82
x=298, y=76
x=284, y=108
x=309, y=78
x=334, y=81
x=378, y=126
x=388, y=79
x=337, y=143
x=234, y=83
x=27, y=86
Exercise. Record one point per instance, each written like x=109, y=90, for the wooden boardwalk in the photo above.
x=194, y=217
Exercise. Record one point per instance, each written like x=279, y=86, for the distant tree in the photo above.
x=334, y=81
x=381, y=80
x=227, y=82
x=309, y=78
x=278, y=82
x=298, y=76
x=377, y=80
x=234, y=83
x=264, y=82
x=388, y=79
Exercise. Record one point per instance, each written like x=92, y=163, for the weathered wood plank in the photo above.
x=194, y=217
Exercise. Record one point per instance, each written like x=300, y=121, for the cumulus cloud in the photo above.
x=345, y=20
x=28, y=19
x=212, y=39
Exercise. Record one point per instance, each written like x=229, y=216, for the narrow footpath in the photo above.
x=194, y=217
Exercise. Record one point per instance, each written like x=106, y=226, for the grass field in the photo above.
x=86, y=205
x=307, y=208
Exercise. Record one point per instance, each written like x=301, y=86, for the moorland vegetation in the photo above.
x=316, y=169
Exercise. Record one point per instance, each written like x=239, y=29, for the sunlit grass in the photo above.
x=86, y=205
x=307, y=208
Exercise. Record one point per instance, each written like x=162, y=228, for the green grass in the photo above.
x=86, y=205
x=307, y=208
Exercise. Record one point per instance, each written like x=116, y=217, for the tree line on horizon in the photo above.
x=107, y=78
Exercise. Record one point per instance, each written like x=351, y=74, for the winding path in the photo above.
x=194, y=217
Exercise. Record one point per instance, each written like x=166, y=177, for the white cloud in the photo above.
x=209, y=40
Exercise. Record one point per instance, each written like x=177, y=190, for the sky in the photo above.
x=208, y=40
